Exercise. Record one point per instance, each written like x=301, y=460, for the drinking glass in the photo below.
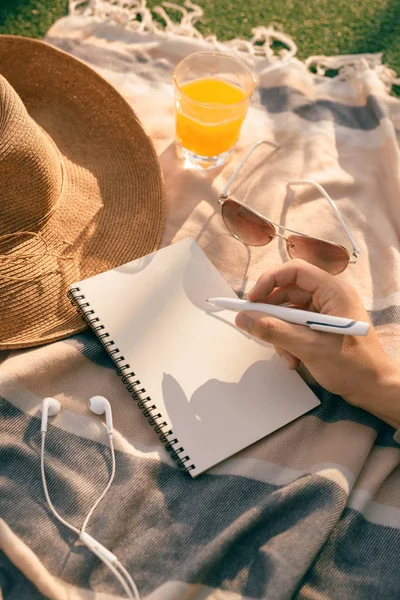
x=212, y=95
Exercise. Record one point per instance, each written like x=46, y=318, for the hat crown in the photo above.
x=31, y=174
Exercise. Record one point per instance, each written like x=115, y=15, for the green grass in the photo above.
x=30, y=17
x=317, y=26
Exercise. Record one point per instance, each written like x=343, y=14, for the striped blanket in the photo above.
x=313, y=510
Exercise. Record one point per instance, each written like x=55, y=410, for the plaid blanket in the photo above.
x=313, y=510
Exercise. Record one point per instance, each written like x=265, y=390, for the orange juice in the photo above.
x=209, y=115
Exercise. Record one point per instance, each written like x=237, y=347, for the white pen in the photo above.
x=312, y=320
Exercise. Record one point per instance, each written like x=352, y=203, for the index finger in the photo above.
x=303, y=274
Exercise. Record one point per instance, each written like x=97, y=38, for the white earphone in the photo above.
x=98, y=405
x=49, y=407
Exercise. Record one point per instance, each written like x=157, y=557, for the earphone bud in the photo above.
x=49, y=408
x=100, y=405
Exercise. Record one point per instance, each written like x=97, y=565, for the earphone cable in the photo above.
x=95, y=505
x=123, y=578
x=89, y=515
x=46, y=492
x=129, y=578
x=114, y=571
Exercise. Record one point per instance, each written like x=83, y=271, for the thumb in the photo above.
x=292, y=338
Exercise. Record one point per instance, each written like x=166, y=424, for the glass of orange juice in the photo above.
x=212, y=95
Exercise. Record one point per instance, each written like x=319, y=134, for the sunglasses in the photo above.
x=254, y=229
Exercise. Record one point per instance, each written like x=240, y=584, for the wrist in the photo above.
x=380, y=394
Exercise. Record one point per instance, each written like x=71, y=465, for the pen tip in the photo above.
x=207, y=300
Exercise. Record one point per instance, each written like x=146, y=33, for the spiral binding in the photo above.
x=129, y=379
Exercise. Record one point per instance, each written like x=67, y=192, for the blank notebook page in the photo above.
x=217, y=388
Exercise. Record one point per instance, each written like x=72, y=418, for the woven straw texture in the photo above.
x=80, y=187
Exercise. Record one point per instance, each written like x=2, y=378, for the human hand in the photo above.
x=355, y=368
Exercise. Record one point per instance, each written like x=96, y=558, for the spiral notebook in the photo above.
x=208, y=389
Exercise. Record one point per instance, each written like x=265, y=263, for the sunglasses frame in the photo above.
x=224, y=196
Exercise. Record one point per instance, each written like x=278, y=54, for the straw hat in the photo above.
x=80, y=188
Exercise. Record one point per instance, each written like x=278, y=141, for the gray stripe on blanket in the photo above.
x=224, y=531
x=284, y=98
x=356, y=548
x=230, y=532
x=385, y=316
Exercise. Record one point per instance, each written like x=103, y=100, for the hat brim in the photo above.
x=112, y=206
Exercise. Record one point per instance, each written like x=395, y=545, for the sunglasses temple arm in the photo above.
x=224, y=193
x=356, y=249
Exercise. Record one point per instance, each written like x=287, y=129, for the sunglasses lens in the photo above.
x=245, y=225
x=329, y=257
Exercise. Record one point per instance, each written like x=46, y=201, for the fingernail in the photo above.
x=243, y=322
